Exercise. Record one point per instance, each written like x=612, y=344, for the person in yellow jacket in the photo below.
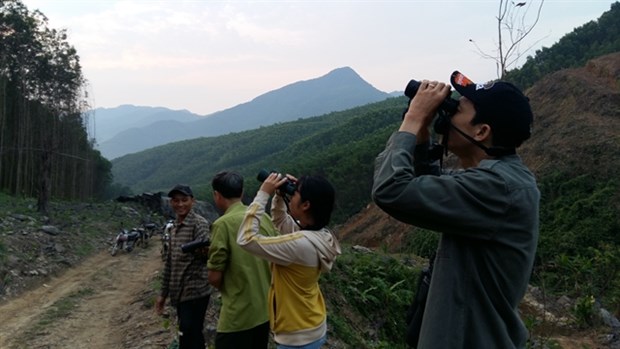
x=305, y=248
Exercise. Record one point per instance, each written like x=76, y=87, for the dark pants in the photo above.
x=254, y=338
x=191, y=323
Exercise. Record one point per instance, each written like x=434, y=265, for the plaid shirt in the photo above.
x=185, y=274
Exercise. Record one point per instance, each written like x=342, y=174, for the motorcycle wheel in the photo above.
x=114, y=249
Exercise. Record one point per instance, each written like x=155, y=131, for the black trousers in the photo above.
x=191, y=316
x=254, y=338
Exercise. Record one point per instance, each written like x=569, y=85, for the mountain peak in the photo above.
x=342, y=70
x=343, y=73
x=340, y=89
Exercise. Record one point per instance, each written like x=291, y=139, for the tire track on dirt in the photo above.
x=112, y=282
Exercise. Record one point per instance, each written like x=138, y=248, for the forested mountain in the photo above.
x=343, y=88
x=340, y=89
x=592, y=39
x=319, y=143
x=44, y=146
x=340, y=145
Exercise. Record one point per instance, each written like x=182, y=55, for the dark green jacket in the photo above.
x=488, y=217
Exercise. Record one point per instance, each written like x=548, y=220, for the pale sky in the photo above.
x=206, y=56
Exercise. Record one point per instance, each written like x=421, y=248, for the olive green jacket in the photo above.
x=488, y=220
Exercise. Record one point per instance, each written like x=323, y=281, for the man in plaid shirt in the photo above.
x=185, y=274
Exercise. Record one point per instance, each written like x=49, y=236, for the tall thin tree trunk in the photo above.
x=19, y=145
x=44, y=184
x=30, y=150
x=3, y=112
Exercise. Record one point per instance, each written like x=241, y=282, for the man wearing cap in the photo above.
x=185, y=279
x=487, y=213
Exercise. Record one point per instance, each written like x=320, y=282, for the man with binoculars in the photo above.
x=486, y=212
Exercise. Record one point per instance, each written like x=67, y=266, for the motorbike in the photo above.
x=126, y=240
x=146, y=230
x=165, y=239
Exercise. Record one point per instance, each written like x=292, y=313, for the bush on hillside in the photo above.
x=376, y=287
x=579, y=245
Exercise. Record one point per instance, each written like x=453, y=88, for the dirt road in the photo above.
x=106, y=302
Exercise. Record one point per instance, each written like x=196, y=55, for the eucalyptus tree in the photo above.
x=17, y=51
x=43, y=84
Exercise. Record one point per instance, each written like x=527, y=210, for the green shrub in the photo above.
x=584, y=311
x=577, y=213
x=376, y=286
x=579, y=245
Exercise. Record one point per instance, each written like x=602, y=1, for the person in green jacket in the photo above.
x=242, y=279
x=486, y=212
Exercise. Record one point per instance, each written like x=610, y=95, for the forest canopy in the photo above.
x=44, y=147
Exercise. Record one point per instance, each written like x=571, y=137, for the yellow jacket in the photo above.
x=297, y=312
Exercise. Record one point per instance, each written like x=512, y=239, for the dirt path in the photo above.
x=106, y=302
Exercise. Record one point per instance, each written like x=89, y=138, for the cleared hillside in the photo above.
x=577, y=121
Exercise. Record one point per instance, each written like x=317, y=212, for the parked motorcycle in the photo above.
x=146, y=230
x=150, y=228
x=126, y=240
x=165, y=239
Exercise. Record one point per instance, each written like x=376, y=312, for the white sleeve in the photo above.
x=281, y=219
x=283, y=249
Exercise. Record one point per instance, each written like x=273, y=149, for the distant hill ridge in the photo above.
x=340, y=89
x=108, y=122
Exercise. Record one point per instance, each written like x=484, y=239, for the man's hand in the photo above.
x=202, y=252
x=159, y=305
x=272, y=182
x=423, y=107
x=215, y=278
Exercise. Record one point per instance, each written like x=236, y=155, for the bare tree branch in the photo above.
x=512, y=28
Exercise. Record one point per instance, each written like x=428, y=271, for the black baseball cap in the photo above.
x=501, y=105
x=181, y=189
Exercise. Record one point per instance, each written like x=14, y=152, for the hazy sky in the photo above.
x=206, y=56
